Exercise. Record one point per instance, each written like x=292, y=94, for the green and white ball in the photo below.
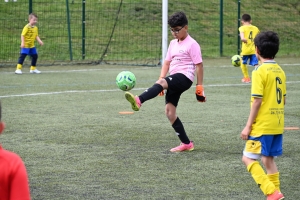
x=125, y=80
x=236, y=60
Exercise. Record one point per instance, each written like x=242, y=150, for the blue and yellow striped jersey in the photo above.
x=30, y=33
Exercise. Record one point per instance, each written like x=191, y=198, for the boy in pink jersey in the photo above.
x=183, y=62
x=13, y=175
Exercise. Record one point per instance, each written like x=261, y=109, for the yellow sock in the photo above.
x=244, y=70
x=19, y=66
x=274, y=178
x=32, y=67
x=261, y=178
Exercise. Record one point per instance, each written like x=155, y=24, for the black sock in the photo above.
x=150, y=93
x=179, y=129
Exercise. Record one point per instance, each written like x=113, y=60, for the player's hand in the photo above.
x=245, y=133
x=200, y=96
x=162, y=93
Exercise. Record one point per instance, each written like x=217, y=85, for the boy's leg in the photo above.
x=176, y=123
x=33, y=69
x=261, y=146
x=21, y=60
x=179, y=129
x=177, y=86
x=24, y=52
x=272, y=171
x=151, y=92
x=34, y=58
x=186, y=144
x=136, y=101
x=274, y=178
x=259, y=176
x=269, y=161
x=244, y=68
x=20, y=63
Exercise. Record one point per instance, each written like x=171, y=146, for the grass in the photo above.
x=65, y=125
x=136, y=38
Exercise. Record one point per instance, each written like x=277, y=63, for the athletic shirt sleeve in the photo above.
x=25, y=30
x=195, y=53
x=257, y=89
x=13, y=177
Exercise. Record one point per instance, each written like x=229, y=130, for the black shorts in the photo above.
x=177, y=84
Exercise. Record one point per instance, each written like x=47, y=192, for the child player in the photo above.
x=183, y=62
x=13, y=174
x=247, y=35
x=28, y=37
x=264, y=128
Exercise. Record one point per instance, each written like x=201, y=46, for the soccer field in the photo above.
x=65, y=124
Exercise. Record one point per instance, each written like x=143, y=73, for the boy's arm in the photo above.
x=22, y=41
x=19, y=186
x=242, y=35
x=164, y=69
x=253, y=113
x=200, y=96
x=163, y=72
x=39, y=40
x=199, y=73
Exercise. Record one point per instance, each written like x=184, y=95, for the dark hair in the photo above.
x=267, y=44
x=178, y=19
x=246, y=18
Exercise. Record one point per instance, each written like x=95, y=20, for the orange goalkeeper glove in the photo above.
x=200, y=96
x=163, y=91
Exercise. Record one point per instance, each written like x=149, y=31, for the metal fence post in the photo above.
x=221, y=27
x=69, y=30
x=83, y=29
x=30, y=6
x=238, y=24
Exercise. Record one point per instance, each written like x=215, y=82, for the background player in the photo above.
x=247, y=35
x=28, y=37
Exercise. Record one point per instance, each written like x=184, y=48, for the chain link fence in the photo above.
x=130, y=31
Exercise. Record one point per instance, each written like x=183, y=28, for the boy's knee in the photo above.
x=247, y=160
x=35, y=56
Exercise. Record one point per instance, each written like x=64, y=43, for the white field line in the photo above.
x=82, y=70
x=118, y=90
x=139, y=67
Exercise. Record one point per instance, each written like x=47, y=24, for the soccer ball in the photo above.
x=236, y=60
x=125, y=80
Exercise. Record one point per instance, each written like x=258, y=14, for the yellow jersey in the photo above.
x=30, y=33
x=268, y=83
x=250, y=33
